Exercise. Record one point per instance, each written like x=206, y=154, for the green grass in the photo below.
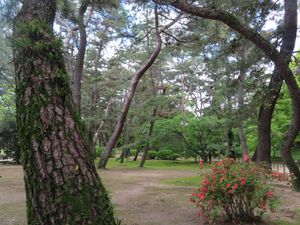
x=193, y=181
x=155, y=164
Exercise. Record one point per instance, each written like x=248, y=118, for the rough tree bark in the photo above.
x=263, y=149
x=280, y=59
x=133, y=85
x=62, y=185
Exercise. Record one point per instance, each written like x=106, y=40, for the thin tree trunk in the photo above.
x=133, y=85
x=136, y=154
x=147, y=147
x=182, y=94
x=69, y=55
x=125, y=153
x=92, y=126
x=98, y=132
x=230, y=150
x=62, y=185
x=91, y=134
x=242, y=136
x=80, y=55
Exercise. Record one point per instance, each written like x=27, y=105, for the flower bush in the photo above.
x=242, y=192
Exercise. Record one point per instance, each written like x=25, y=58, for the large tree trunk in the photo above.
x=289, y=36
x=263, y=150
x=62, y=185
x=266, y=110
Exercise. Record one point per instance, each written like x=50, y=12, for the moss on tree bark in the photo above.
x=62, y=185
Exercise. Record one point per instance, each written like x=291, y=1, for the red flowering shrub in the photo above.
x=242, y=192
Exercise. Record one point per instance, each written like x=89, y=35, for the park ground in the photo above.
x=156, y=195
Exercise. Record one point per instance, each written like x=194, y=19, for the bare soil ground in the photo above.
x=139, y=196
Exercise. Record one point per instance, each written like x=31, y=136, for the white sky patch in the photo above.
x=272, y=23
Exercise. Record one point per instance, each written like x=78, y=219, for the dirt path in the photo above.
x=140, y=197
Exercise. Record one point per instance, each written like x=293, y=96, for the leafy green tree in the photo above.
x=189, y=135
x=226, y=13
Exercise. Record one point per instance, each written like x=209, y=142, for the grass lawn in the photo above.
x=193, y=181
x=155, y=164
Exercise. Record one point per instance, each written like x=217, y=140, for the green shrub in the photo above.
x=167, y=155
x=241, y=191
x=176, y=156
x=152, y=154
x=132, y=152
x=100, y=149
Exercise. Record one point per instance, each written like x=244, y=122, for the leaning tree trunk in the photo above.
x=133, y=85
x=62, y=185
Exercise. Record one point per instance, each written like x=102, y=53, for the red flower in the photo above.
x=204, y=189
x=212, y=188
x=235, y=186
x=201, y=163
x=246, y=157
x=269, y=194
x=262, y=204
x=201, y=196
x=243, y=182
x=221, y=180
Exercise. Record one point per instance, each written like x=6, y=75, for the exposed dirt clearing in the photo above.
x=140, y=197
